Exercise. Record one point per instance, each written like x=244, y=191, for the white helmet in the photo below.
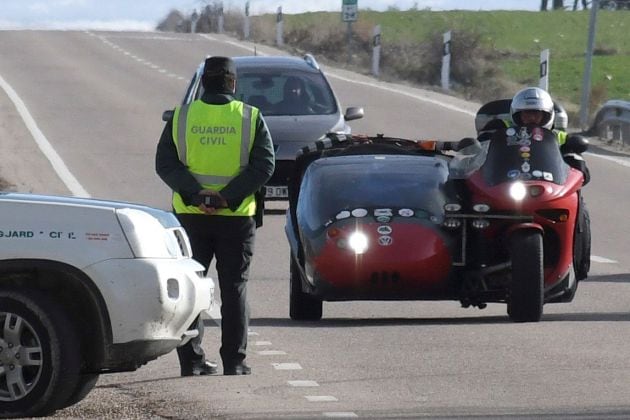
x=535, y=99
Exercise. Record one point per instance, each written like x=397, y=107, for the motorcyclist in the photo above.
x=533, y=107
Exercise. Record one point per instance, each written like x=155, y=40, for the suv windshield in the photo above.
x=285, y=92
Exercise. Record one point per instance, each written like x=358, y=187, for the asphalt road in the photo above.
x=97, y=99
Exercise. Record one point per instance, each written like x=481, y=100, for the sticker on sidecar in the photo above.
x=383, y=212
x=384, y=230
x=385, y=240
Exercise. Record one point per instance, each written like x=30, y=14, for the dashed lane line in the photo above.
x=320, y=398
x=303, y=384
x=286, y=366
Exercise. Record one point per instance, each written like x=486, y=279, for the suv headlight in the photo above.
x=148, y=238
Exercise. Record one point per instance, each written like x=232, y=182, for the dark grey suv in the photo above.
x=296, y=100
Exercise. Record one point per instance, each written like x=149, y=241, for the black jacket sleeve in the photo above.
x=171, y=170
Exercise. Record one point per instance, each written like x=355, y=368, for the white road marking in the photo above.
x=340, y=414
x=286, y=366
x=618, y=160
x=602, y=260
x=262, y=343
x=44, y=145
x=299, y=384
x=271, y=352
x=320, y=398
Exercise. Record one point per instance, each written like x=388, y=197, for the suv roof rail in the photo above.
x=310, y=60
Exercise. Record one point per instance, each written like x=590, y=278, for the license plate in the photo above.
x=276, y=192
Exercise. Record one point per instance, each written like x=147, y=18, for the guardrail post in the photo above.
x=616, y=132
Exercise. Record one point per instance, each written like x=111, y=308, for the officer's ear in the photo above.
x=231, y=83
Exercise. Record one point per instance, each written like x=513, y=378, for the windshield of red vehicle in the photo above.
x=363, y=183
x=524, y=154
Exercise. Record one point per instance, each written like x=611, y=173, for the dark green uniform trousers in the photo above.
x=229, y=239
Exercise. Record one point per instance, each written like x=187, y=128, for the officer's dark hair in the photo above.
x=218, y=75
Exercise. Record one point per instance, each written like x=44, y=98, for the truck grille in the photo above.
x=182, y=241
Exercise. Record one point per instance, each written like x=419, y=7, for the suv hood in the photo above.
x=166, y=219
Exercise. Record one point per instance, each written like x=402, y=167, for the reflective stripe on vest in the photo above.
x=205, y=136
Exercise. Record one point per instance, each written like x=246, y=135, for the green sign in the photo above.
x=349, y=10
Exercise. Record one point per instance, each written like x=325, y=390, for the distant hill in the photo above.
x=494, y=52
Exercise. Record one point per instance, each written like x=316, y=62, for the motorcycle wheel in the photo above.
x=302, y=307
x=526, y=293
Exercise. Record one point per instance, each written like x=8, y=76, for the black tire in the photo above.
x=526, y=292
x=86, y=383
x=46, y=373
x=302, y=307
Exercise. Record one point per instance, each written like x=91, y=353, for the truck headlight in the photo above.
x=147, y=237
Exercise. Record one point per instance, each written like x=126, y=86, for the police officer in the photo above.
x=215, y=154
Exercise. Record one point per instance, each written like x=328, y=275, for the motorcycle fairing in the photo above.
x=519, y=153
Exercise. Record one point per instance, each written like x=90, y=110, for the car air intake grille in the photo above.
x=383, y=278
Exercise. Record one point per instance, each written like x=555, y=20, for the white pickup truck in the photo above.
x=88, y=287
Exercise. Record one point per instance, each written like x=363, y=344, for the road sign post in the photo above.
x=544, y=70
x=446, y=61
x=279, y=28
x=349, y=14
x=246, y=22
x=376, y=50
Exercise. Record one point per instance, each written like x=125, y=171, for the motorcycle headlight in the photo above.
x=518, y=191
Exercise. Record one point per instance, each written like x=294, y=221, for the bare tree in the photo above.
x=558, y=4
x=543, y=5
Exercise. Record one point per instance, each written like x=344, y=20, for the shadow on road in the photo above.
x=611, y=278
x=399, y=321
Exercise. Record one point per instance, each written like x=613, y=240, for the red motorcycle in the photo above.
x=520, y=216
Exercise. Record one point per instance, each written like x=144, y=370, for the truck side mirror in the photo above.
x=168, y=115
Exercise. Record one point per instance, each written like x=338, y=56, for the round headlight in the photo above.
x=518, y=191
x=481, y=208
x=452, y=207
x=358, y=242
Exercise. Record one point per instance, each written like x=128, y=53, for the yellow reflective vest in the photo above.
x=214, y=142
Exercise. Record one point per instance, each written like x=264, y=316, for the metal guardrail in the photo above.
x=612, y=121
